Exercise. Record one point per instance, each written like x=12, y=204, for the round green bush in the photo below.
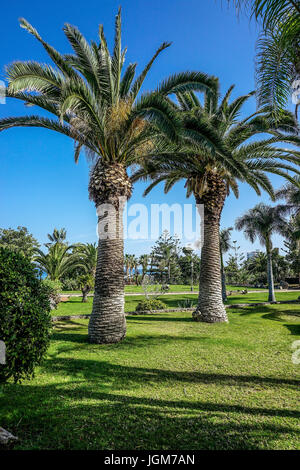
x=25, y=320
x=150, y=304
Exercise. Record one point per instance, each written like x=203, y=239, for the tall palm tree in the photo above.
x=262, y=222
x=131, y=263
x=214, y=155
x=89, y=254
x=278, y=49
x=225, y=246
x=127, y=266
x=58, y=261
x=135, y=266
x=95, y=102
x=57, y=236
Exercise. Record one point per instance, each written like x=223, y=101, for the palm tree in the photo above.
x=291, y=193
x=262, y=222
x=127, y=266
x=88, y=253
x=225, y=246
x=214, y=155
x=131, y=262
x=58, y=261
x=57, y=236
x=135, y=265
x=95, y=102
x=278, y=49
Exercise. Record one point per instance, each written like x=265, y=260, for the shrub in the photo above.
x=53, y=288
x=187, y=303
x=25, y=319
x=150, y=304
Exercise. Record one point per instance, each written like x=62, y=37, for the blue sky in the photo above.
x=40, y=186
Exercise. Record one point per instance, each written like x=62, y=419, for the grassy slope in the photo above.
x=171, y=384
x=75, y=307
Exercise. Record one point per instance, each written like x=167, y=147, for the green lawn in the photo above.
x=171, y=384
x=173, y=288
x=75, y=307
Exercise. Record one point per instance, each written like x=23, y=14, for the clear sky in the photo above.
x=40, y=186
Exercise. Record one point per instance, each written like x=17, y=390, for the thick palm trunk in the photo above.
x=270, y=278
x=111, y=187
x=210, y=306
x=107, y=323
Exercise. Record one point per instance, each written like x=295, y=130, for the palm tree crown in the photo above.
x=58, y=261
x=278, y=49
x=262, y=222
x=225, y=235
x=291, y=193
x=216, y=142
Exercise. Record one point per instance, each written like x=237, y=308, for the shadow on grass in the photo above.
x=80, y=415
x=158, y=317
x=144, y=341
x=294, y=329
x=116, y=374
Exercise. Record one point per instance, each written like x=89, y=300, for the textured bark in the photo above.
x=107, y=323
x=270, y=279
x=210, y=306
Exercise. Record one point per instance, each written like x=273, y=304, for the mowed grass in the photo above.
x=74, y=306
x=171, y=384
x=133, y=289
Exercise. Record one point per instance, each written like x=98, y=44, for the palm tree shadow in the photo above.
x=104, y=419
x=159, y=318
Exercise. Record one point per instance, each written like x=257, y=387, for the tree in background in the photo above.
x=189, y=263
x=225, y=246
x=127, y=267
x=144, y=261
x=291, y=194
x=19, y=240
x=262, y=222
x=88, y=254
x=165, y=259
x=58, y=261
x=57, y=236
x=278, y=50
